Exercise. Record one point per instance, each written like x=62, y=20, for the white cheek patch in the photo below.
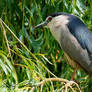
x=57, y=25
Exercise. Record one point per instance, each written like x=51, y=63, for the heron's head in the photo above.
x=45, y=23
x=54, y=20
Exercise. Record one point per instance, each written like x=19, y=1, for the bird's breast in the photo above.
x=70, y=61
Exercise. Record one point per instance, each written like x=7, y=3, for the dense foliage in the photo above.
x=29, y=56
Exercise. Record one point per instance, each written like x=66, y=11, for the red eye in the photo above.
x=50, y=18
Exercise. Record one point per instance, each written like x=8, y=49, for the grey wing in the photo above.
x=72, y=47
x=81, y=49
x=88, y=44
x=81, y=32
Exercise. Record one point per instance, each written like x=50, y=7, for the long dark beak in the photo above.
x=41, y=24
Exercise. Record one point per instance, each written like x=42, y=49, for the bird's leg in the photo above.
x=74, y=73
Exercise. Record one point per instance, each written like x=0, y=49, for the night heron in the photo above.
x=74, y=38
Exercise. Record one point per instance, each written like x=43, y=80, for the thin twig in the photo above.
x=4, y=32
x=69, y=84
x=71, y=88
x=32, y=89
x=41, y=87
x=52, y=79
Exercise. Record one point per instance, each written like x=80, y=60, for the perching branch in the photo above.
x=67, y=84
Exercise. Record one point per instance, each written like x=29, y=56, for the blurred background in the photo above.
x=39, y=56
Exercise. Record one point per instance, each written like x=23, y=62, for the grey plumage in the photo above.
x=81, y=32
x=74, y=38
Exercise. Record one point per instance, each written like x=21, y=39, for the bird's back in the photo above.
x=81, y=32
